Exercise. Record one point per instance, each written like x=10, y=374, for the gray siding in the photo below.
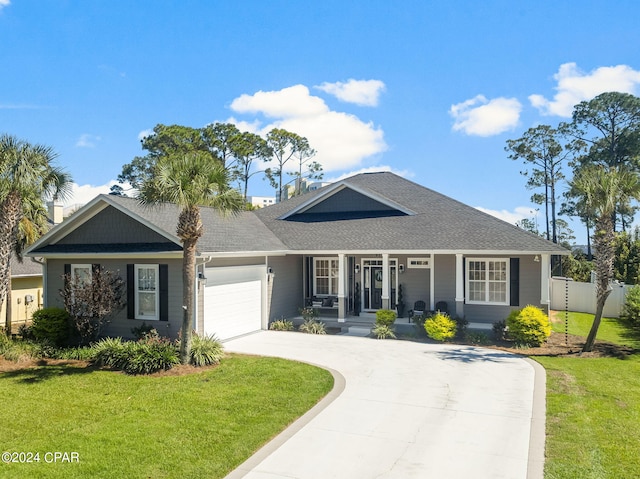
x=445, y=283
x=119, y=324
x=287, y=295
x=348, y=200
x=112, y=226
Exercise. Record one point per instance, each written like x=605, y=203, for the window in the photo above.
x=146, y=291
x=81, y=274
x=487, y=281
x=418, y=262
x=325, y=280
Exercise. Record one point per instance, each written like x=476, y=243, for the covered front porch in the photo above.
x=348, y=287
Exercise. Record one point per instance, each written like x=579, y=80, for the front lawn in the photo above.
x=196, y=425
x=593, y=408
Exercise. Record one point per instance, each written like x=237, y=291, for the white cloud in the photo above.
x=83, y=194
x=518, y=214
x=341, y=139
x=482, y=117
x=144, y=133
x=360, y=92
x=87, y=141
x=4, y=3
x=291, y=102
x=575, y=86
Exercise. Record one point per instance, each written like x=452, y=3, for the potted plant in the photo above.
x=400, y=302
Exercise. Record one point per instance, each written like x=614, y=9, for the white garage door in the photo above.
x=232, y=310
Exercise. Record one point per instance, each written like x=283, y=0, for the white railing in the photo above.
x=581, y=297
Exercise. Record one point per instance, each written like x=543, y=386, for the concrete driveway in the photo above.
x=404, y=409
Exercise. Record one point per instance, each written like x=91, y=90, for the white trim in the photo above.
x=336, y=188
x=156, y=291
x=423, y=262
x=486, y=280
x=174, y=255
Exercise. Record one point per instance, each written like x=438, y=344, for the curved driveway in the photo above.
x=404, y=409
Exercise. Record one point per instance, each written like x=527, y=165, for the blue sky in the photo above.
x=430, y=90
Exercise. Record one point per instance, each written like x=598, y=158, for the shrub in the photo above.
x=83, y=353
x=311, y=326
x=143, y=331
x=308, y=313
x=18, y=351
x=440, y=327
x=52, y=325
x=528, y=326
x=462, y=327
x=478, y=338
x=281, y=325
x=382, y=331
x=147, y=357
x=205, y=350
x=499, y=330
x=631, y=308
x=385, y=317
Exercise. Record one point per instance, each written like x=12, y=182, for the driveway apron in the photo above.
x=407, y=410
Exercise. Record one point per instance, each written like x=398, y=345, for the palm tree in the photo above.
x=190, y=181
x=602, y=188
x=32, y=225
x=27, y=175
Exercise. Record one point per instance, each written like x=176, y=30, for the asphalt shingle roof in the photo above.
x=439, y=223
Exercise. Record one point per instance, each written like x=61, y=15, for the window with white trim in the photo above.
x=325, y=277
x=81, y=274
x=488, y=281
x=419, y=262
x=146, y=290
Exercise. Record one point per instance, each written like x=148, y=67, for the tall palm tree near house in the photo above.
x=27, y=175
x=190, y=181
x=34, y=223
x=602, y=188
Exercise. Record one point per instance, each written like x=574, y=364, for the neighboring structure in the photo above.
x=348, y=245
x=26, y=291
x=261, y=201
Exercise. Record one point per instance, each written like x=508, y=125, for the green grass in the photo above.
x=611, y=330
x=593, y=408
x=197, y=425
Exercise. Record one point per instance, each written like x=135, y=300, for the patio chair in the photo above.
x=419, y=308
x=442, y=306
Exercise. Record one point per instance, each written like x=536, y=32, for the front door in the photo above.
x=373, y=287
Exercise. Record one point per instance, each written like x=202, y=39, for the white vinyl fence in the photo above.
x=581, y=297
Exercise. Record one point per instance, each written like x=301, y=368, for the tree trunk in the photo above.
x=8, y=312
x=9, y=217
x=188, y=285
x=603, y=240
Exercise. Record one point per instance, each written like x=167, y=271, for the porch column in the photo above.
x=459, y=285
x=432, y=285
x=545, y=277
x=386, y=303
x=342, y=307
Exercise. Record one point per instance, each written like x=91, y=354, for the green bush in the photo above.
x=205, y=350
x=311, y=326
x=382, y=331
x=143, y=331
x=631, y=308
x=499, y=329
x=385, y=317
x=52, y=325
x=528, y=326
x=440, y=327
x=140, y=357
x=281, y=325
x=22, y=350
x=80, y=353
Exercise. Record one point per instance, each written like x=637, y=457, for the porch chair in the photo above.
x=419, y=308
x=443, y=307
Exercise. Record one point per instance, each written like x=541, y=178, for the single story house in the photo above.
x=26, y=291
x=346, y=247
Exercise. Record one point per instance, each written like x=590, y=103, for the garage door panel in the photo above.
x=232, y=310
